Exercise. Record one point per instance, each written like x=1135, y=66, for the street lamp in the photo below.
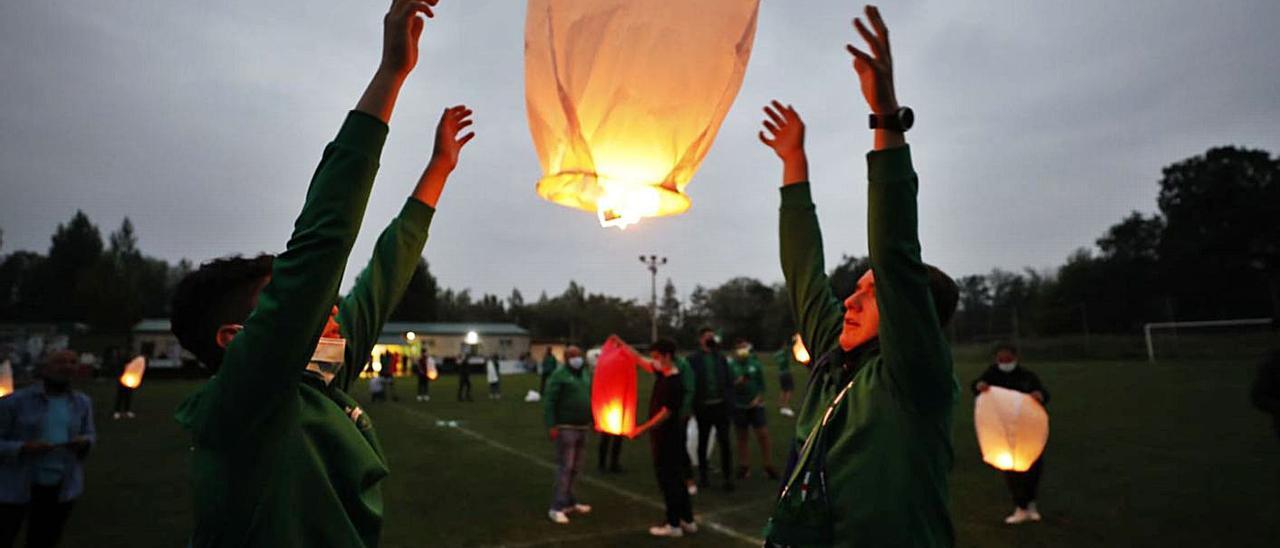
x=652, y=262
x=472, y=338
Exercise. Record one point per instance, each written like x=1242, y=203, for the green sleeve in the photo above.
x=758, y=376
x=549, y=400
x=813, y=305
x=915, y=351
x=380, y=286
x=689, y=383
x=263, y=364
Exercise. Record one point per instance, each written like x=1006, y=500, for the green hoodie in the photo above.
x=568, y=398
x=886, y=449
x=748, y=380
x=280, y=459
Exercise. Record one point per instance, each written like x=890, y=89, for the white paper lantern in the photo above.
x=1012, y=428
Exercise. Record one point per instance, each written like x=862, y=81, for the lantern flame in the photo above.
x=6, y=379
x=613, y=417
x=800, y=352
x=131, y=377
x=1004, y=461
x=623, y=205
x=432, y=373
x=130, y=380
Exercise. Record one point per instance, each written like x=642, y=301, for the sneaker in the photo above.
x=1033, y=512
x=129, y=415
x=116, y=416
x=786, y=412
x=558, y=517
x=1018, y=516
x=581, y=509
x=691, y=487
x=689, y=527
x=666, y=530
x=426, y=398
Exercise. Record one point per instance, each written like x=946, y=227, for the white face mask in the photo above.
x=576, y=362
x=1007, y=367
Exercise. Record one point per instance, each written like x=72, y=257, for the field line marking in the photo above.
x=567, y=538
x=713, y=525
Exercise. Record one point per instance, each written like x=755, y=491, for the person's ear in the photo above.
x=226, y=333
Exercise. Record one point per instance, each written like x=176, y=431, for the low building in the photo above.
x=154, y=340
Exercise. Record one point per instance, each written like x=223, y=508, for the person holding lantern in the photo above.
x=666, y=438
x=713, y=394
x=748, y=409
x=566, y=408
x=1006, y=372
x=282, y=455
x=873, y=435
x=46, y=431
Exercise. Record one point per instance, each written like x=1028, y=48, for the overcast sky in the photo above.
x=1039, y=124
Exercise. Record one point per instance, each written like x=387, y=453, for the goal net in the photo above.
x=1212, y=339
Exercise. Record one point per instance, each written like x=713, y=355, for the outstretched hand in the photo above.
x=448, y=144
x=401, y=30
x=784, y=133
x=875, y=69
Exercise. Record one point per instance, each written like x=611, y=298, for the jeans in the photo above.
x=45, y=518
x=1024, y=485
x=714, y=416
x=570, y=446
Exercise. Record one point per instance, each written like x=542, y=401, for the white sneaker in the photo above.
x=558, y=517
x=1018, y=516
x=129, y=414
x=689, y=527
x=1033, y=512
x=692, y=488
x=581, y=508
x=786, y=412
x=115, y=416
x=666, y=530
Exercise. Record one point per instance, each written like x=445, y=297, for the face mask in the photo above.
x=576, y=362
x=328, y=357
x=743, y=353
x=1007, y=367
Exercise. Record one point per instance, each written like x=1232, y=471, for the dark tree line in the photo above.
x=1211, y=252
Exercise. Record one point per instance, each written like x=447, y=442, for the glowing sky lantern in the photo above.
x=624, y=98
x=131, y=377
x=1012, y=428
x=613, y=389
x=6, y=379
x=432, y=372
x=799, y=352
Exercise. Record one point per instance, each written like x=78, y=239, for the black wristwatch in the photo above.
x=900, y=120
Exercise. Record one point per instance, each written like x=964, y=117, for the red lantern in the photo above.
x=613, y=389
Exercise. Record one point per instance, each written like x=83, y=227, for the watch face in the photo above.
x=906, y=118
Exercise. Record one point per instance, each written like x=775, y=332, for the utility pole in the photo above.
x=652, y=262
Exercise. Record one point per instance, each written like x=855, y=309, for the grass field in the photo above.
x=1139, y=455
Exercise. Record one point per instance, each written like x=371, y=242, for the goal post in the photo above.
x=1149, y=327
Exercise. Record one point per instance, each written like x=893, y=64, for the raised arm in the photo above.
x=912, y=342
x=380, y=286
x=813, y=304
x=265, y=360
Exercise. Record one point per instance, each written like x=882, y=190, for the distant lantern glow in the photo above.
x=6, y=379
x=798, y=350
x=625, y=98
x=1012, y=428
x=472, y=338
x=432, y=372
x=131, y=377
x=613, y=389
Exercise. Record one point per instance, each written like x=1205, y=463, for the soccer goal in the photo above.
x=1206, y=336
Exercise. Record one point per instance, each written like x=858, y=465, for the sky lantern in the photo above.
x=131, y=377
x=613, y=389
x=799, y=352
x=432, y=372
x=1012, y=428
x=6, y=379
x=624, y=98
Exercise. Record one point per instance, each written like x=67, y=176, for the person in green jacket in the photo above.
x=784, y=358
x=873, y=435
x=281, y=454
x=549, y=365
x=566, y=409
x=748, y=409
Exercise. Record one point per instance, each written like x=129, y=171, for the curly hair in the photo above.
x=222, y=291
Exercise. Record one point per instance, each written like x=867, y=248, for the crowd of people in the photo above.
x=282, y=455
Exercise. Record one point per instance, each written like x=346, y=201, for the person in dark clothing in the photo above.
x=1266, y=388
x=1007, y=373
x=609, y=451
x=464, y=378
x=422, y=370
x=713, y=394
x=549, y=365
x=665, y=439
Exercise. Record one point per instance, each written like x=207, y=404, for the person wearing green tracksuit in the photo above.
x=748, y=409
x=566, y=410
x=872, y=447
x=281, y=454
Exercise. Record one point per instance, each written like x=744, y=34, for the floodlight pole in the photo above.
x=652, y=262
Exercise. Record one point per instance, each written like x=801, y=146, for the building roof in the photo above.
x=393, y=330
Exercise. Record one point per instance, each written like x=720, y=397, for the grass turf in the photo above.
x=1139, y=455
